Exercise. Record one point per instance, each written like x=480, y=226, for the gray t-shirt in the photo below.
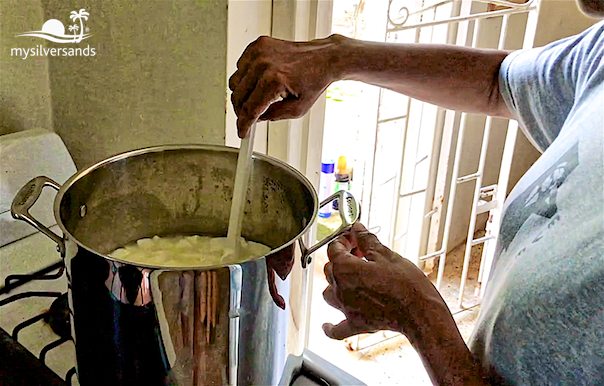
x=542, y=318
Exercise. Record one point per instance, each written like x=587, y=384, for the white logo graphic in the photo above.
x=54, y=30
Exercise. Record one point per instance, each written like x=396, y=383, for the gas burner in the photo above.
x=57, y=317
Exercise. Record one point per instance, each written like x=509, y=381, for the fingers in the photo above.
x=249, y=54
x=340, y=331
x=242, y=89
x=339, y=248
x=328, y=270
x=272, y=288
x=360, y=242
x=266, y=91
x=368, y=245
x=282, y=261
x=330, y=298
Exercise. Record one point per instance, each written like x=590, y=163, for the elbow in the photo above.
x=499, y=109
x=496, y=105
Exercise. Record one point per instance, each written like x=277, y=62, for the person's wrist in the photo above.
x=341, y=57
x=429, y=318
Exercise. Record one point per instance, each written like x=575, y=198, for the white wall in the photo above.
x=557, y=19
x=246, y=21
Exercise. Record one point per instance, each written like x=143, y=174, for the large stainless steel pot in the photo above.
x=148, y=325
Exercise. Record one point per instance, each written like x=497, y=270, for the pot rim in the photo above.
x=157, y=149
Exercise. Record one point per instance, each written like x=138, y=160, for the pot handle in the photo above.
x=26, y=198
x=349, y=213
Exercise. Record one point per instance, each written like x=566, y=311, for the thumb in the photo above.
x=243, y=127
x=365, y=240
x=340, y=331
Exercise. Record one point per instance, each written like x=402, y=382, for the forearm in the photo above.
x=453, y=77
x=446, y=357
x=433, y=333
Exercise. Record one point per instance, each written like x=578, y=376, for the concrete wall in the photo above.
x=24, y=84
x=158, y=76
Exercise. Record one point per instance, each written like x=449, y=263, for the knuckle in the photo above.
x=262, y=41
x=233, y=81
x=243, y=59
x=337, y=38
x=269, y=78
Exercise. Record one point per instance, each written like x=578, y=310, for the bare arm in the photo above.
x=278, y=79
x=453, y=77
x=387, y=292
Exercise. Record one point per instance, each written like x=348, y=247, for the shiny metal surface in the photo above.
x=310, y=369
x=349, y=212
x=142, y=324
x=26, y=198
x=171, y=190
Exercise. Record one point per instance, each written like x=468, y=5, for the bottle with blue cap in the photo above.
x=326, y=186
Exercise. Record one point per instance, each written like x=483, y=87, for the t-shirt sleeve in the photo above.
x=540, y=85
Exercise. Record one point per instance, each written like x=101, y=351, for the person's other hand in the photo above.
x=280, y=263
x=376, y=288
x=278, y=79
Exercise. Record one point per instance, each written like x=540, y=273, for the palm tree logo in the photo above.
x=82, y=14
x=75, y=29
x=54, y=30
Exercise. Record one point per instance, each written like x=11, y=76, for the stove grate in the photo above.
x=57, y=317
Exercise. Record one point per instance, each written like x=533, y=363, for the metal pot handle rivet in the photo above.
x=26, y=198
x=349, y=213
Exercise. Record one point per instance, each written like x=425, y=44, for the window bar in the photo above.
x=481, y=240
x=392, y=119
x=453, y=189
x=417, y=145
x=483, y=257
x=429, y=209
x=476, y=16
x=398, y=184
x=503, y=3
x=468, y=177
x=430, y=213
x=478, y=184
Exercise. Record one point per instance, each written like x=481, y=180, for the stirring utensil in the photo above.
x=242, y=178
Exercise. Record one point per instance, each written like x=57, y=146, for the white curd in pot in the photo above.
x=188, y=251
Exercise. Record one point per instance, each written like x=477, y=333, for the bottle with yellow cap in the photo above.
x=343, y=180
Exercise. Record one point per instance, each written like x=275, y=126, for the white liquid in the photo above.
x=188, y=251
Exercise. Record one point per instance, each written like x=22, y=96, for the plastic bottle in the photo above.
x=326, y=186
x=342, y=178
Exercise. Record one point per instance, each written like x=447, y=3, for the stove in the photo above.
x=45, y=332
x=36, y=346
